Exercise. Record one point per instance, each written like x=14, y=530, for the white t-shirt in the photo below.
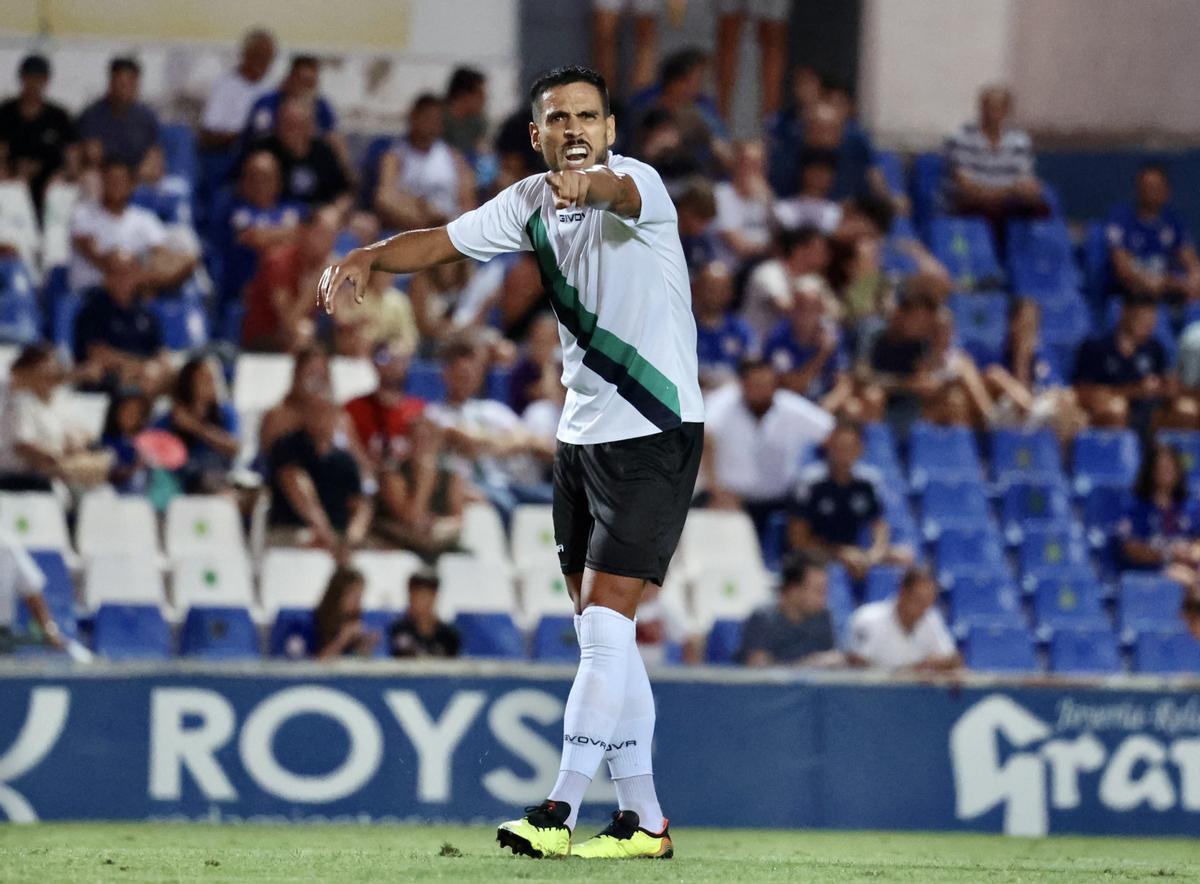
x=619, y=287
x=876, y=635
x=800, y=211
x=768, y=296
x=19, y=576
x=18, y=223
x=735, y=213
x=230, y=101
x=135, y=230
x=488, y=417
x=759, y=460
x=27, y=420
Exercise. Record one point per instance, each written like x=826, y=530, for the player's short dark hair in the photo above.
x=679, y=64
x=796, y=567
x=424, y=578
x=304, y=60
x=424, y=100
x=572, y=73
x=463, y=81
x=34, y=66
x=915, y=574
x=124, y=63
x=787, y=241
x=877, y=209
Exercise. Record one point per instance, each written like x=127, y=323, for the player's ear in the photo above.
x=610, y=129
x=535, y=137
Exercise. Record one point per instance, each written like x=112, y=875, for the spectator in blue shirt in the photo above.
x=1124, y=371
x=118, y=126
x=1151, y=250
x=303, y=80
x=805, y=348
x=258, y=221
x=208, y=426
x=1161, y=528
x=723, y=339
x=823, y=127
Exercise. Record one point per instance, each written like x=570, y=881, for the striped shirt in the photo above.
x=1001, y=165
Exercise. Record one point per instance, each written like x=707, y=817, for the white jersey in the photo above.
x=619, y=287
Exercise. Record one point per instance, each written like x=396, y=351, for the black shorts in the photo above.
x=619, y=507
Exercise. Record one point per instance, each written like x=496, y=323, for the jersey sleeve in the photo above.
x=498, y=226
x=657, y=207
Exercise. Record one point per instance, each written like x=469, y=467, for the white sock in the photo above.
x=629, y=759
x=595, y=702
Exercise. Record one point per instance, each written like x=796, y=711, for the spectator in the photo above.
x=385, y=318
x=772, y=17
x=1149, y=246
x=1125, y=370
x=421, y=504
x=302, y=83
x=280, y=306
x=20, y=577
x=697, y=207
x=838, y=512
x=20, y=233
x=208, y=425
x=662, y=631
x=464, y=117
x=490, y=448
x=420, y=632
x=904, y=632
x=962, y=398
x=516, y=157
x=660, y=143
x=118, y=126
x=824, y=127
x=37, y=135
x=541, y=351
x=423, y=182
x=1189, y=612
x=259, y=221
x=311, y=171
x=723, y=339
x=744, y=206
x=118, y=340
x=1161, y=526
x=680, y=91
x=128, y=414
x=989, y=165
x=236, y=91
x=113, y=226
x=797, y=630
x=806, y=347
x=813, y=205
x=449, y=298
x=771, y=285
x=758, y=437
x=899, y=360
x=606, y=24
x=338, y=618
x=317, y=494
x=38, y=442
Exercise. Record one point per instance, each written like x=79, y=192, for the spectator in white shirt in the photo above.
x=235, y=92
x=905, y=631
x=744, y=205
x=771, y=285
x=102, y=230
x=813, y=204
x=757, y=438
x=21, y=576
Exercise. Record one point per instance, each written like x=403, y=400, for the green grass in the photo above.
x=166, y=852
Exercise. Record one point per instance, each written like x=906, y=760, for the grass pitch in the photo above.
x=166, y=852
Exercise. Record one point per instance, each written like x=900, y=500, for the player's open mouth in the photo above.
x=576, y=154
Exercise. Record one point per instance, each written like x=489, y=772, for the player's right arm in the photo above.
x=405, y=252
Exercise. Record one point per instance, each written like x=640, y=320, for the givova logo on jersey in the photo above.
x=1114, y=756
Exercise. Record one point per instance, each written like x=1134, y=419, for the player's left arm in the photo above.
x=599, y=188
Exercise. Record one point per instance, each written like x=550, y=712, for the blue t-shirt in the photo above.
x=125, y=457
x=1154, y=243
x=725, y=345
x=785, y=353
x=1144, y=520
x=260, y=122
x=785, y=137
x=240, y=262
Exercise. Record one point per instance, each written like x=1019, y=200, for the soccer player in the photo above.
x=604, y=232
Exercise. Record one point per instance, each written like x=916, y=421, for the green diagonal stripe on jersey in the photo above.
x=642, y=385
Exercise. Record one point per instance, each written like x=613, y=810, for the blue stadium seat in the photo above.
x=1148, y=600
x=927, y=172
x=896, y=260
x=1103, y=507
x=1069, y=601
x=184, y=321
x=179, y=150
x=1105, y=457
x=498, y=383
x=1066, y=321
x=1032, y=504
x=981, y=320
x=293, y=634
x=1167, y=652
x=898, y=514
x=369, y=167
x=943, y=453
x=380, y=622
x=425, y=380
x=958, y=551
x=1188, y=444
x=1094, y=255
x=883, y=581
x=490, y=635
x=58, y=593
x=1084, y=651
x=1026, y=455
x=951, y=504
x=965, y=246
x=1000, y=648
x=1047, y=552
x=839, y=598
x=131, y=632
x=984, y=598
x=20, y=313
x=879, y=450
x=554, y=640
x=774, y=540
x=219, y=634
x=1039, y=258
x=892, y=167
x=724, y=641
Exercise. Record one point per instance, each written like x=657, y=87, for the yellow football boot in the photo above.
x=626, y=839
x=540, y=833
